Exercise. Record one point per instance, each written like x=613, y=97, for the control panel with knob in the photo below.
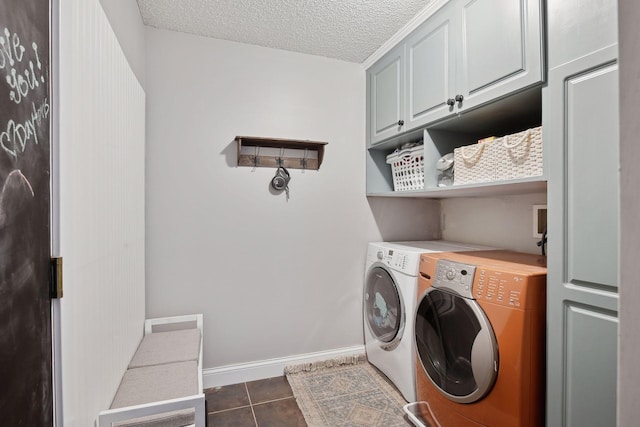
x=455, y=276
x=451, y=273
x=395, y=259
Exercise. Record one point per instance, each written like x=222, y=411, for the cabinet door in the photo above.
x=500, y=48
x=386, y=96
x=579, y=27
x=431, y=70
x=581, y=127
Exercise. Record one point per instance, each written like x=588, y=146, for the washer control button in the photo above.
x=451, y=273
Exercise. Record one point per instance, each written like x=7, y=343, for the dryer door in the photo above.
x=456, y=345
x=384, y=311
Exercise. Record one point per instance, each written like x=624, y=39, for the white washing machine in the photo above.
x=390, y=293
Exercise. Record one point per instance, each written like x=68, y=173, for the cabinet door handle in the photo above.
x=400, y=122
x=450, y=102
x=459, y=98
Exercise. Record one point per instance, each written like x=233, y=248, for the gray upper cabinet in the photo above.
x=469, y=53
x=431, y=70
x=500, y=49
x=386, y=96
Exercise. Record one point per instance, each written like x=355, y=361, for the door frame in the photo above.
x=56, y=320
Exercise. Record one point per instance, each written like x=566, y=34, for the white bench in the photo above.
x=163, y=383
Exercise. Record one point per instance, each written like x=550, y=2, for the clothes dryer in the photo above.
x=480, y=338
x=390, y=291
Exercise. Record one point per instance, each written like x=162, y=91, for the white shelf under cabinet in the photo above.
x=536, y=184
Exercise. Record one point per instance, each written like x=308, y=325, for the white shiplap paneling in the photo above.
x=102, y=142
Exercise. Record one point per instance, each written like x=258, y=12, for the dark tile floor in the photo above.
x=262, y=403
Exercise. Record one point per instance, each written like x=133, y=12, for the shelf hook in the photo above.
x=255, y=157
x=280, y=161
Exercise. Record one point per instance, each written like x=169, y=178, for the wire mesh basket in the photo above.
x=407, y=168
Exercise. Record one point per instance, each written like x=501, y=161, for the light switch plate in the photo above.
x=539, y=220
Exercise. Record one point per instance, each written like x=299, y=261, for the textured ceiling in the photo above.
x=350, y=30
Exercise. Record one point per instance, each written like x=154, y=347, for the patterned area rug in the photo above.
x=346, y=392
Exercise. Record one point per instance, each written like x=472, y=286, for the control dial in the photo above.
x=380, y=255
x=451, y=273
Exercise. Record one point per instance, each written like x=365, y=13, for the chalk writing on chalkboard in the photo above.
x=25, y=305
x=15, y=136
x=23, y=72
x=15, y=182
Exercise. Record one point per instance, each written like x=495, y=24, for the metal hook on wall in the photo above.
x=255, y=158
x=280, y=159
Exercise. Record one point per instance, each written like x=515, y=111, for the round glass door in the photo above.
x=456, y=345
x=383, y=308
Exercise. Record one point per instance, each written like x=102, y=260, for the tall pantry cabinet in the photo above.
x=580, y=117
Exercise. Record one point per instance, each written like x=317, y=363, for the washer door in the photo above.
x=383, y=307
x=456, y=345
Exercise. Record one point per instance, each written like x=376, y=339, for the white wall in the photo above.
x=101, y=211
x=126, y=22
x=274, y=278
x=502, y=222
x=629, y=346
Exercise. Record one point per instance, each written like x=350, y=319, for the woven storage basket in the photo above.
x=474, y=163
x=407, y=168
x=519, y=155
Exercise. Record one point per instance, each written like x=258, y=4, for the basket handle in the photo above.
x=474, y=154
x=404, y=155
x=526, y=136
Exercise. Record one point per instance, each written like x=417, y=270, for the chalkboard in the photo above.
x=25, y=307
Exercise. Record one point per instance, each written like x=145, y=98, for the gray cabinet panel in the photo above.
x=579, y=27
x=581, y=133
x=592, y=178
x=500, y=49
x=387, y=95
x=430, y=72
x=493, y=48
x=386, y=84
x=590, y=380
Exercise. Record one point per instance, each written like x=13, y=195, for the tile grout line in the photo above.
x=274, y=400
x=255, y=420
x=229, y=409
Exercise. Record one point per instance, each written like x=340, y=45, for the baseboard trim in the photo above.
x=243, y=372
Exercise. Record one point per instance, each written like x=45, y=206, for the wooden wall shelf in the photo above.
x=274, y=152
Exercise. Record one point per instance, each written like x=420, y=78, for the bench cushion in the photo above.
x=157, y=383
x=180, y=418
x=167, y=347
